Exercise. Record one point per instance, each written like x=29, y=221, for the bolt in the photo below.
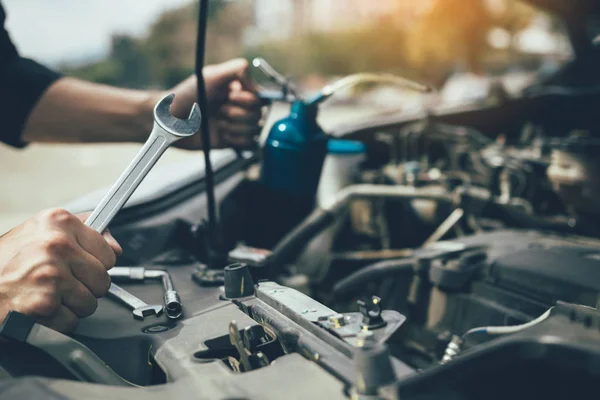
x=336, y=320
x=364, y=337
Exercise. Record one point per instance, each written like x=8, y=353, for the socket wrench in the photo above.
x=166, y=130
x=173, y=305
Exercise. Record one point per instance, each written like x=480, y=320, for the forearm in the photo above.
x=75, y=111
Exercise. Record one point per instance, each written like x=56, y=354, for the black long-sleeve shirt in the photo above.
x=22, y=83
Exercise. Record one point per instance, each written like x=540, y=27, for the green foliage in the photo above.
x=167, y=54
x=106, y=72
x=450, y=32
x=375, y=48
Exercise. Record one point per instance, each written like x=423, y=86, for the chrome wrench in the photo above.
x=139, y=307
x=173, y=305
x=166, y=130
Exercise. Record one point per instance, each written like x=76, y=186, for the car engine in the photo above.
x=456, y=256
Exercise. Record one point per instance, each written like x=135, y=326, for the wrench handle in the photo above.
x=118, y=293
x=130, y=179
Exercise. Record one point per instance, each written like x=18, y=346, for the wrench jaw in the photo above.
x=179, y=127
x=146, y=311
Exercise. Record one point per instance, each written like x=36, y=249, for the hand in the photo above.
x=234, y=108
x=53, y=268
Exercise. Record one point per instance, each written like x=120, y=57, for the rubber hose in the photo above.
x=292, y=243
x=370, y=273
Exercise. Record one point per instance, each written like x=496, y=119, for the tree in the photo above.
x=451, y=31
x=167, y=55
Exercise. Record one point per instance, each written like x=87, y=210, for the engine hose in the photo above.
x=320, y=219
x=370, y=273
x=293, y=242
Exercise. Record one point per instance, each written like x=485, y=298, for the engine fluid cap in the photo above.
x=238, y=281
x=345, y=147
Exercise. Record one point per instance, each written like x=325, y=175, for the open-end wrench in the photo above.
x=173, y=305
x=166, y=130
x=139, y=307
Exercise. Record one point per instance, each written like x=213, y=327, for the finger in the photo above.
x=236, y=86
x=78, y=298
x=96, y=245
x=84, y=216
x=242, y=72
x=112, y=242
x=245, y=98
x=64, y=320
x=236, y=113
x=88, y=270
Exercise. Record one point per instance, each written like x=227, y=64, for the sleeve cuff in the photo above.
x=22, y=83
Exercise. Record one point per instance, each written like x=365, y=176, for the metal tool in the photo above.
x=139, y=307
x=166, y=131
x=236, y=340
x=173, y=305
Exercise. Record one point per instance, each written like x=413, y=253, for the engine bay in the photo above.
x=447, y=254
x=459, y=267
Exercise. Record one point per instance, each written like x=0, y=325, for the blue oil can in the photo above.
x=294, y=152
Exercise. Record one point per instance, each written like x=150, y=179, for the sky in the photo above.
x=76, y=31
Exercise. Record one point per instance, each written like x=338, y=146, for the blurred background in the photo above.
x=465, y=48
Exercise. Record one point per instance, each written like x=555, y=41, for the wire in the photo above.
x=212, y=236
x=455, y=346
x=506, y=330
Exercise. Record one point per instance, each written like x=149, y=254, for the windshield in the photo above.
x=458, y=46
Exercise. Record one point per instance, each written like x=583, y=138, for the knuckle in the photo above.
x=47, y=274
x=44, y=305
x=58, y=216
x=57, y=243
